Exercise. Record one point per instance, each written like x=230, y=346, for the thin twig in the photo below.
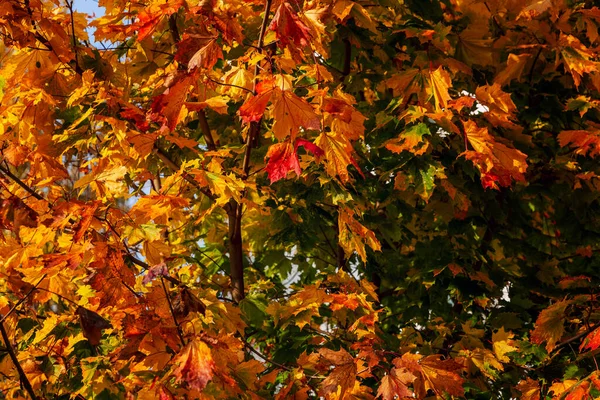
x=253, y=350
x=327, y=240
x=174, y=167
x=230, y=84
x=75, y=41
x=172, y=311
x=577, y=337
x=22, y=300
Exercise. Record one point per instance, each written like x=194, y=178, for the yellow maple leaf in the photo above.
x=440, y=82
x=502, y=344
x=241, y=78
x=290, y=113
x=561, y=387
x=353, y=236
x=338, y=155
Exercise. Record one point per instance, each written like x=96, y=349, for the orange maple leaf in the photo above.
x=549, y=326
x=353, y=235
x=343, y=373
x=497, y=163
x=396, y=384
x=196, y=365
x=584, y=142
x=338, y=153
x=433, y=373
x=591, y=341
x=168, y=105
x=440, y=83
x=291, y=112
x=530, y=389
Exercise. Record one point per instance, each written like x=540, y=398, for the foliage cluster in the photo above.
x=300, y=199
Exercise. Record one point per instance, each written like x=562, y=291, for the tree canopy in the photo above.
x=268, y=199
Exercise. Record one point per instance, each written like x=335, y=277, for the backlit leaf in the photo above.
x=195, y=365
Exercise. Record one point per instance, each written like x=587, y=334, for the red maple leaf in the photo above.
x=288, y=28
x=283, y=157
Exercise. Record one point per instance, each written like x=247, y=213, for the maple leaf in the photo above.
x=498, y=163
x=283, y=157
x=254, y=108
x=579, y=392
x=196, y=364
x=92, y=325
x=432, y=373
x=559, y=388
x=515, y=64
x=353, y=236
x=549, y=326
x=288, y=28
x=148, y=19
x=472, y=48
x=207, y=56
x=239, y=79
x=503, y=343
x=576, y=57
x=499, y=103
x=440, y=82
x=584, y=142
x=396, y=384
x=343, y=374
x=338, y=153
x=410, y=140
x=169, y=104
x=217, y=103
x=529, y=388
x=484, y=360
x=591, y=341
x=290, y=113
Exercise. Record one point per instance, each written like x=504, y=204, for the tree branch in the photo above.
x=235, y=210
x=19, y=182
x=205, y=128
x=13, y=356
